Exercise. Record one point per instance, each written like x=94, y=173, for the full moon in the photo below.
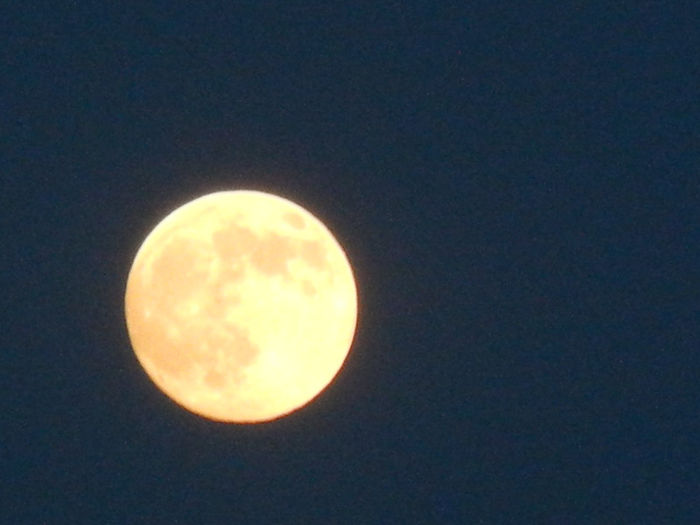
x=241, y=306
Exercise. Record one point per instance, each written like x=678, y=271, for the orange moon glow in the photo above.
x=241, y=306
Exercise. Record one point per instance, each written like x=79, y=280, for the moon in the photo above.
x=241, y=306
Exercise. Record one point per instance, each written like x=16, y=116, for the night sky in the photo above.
x=516, y=188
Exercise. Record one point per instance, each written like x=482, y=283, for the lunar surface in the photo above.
x=241, y=306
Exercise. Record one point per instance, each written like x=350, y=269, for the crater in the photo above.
x=308, y=288
x=229, y=349
x=295, y=220
x=233, y=240
x=215, y=380
x=271, y=255
x=175, y=357
x=314, y=254
x=177, y=260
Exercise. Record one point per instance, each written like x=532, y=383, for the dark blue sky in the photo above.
x=516, y=188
